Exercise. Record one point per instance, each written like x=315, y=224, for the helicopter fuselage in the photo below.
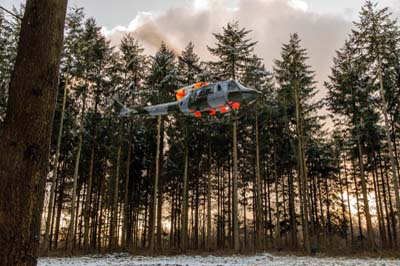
x=202, y=99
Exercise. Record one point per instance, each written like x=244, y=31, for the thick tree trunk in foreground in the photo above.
x=25, y=140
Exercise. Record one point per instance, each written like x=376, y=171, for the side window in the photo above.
x=219, y=88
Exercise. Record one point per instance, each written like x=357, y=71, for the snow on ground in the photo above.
x=123, y=259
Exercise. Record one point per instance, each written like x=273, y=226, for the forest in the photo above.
x=292, y=172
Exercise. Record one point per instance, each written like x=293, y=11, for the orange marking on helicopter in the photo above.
x=213, y=112
x=180, y=94
x=200, y=84
x=224, y=109
x=197, y=114
x=235, y=105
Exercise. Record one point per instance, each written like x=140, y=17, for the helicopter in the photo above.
x=200, y=99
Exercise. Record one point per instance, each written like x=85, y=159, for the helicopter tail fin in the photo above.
x=122, y=110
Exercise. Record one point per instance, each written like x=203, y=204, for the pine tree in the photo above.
x=349, y=96
x=377, y=38
x=296, y=87
x=257, y=77
x=188, y=74
x=133, y=71
x=74, y=28
x=161, y=82
x=233, y=50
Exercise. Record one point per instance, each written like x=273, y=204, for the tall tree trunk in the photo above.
x=344, y=220
x=159, y=217
x=55, y=168
x=277, y=207
x=378, y=204
x=25, y=138
x=71, y=236
x=88, y=200
x=385, y=201
x=292, y=212
x=390, y=144
x=209, y=189
x=155, y=188
x=113, y=238
x=235, y=214
x=364, y=189
x=348, y=200
x=59, y=209
x=259, y=215
x=392, y=212
x=357, y=203
x=196, y=214
x=184, y=227
x=126, y=236
x=303, y=172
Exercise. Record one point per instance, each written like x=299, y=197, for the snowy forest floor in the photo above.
x=124, y=259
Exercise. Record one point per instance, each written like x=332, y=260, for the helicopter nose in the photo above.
x=249, y=95
x=244, y=95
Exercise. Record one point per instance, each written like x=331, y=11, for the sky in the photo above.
x=323, y=25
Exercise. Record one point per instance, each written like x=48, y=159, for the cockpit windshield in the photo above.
x=232, y=86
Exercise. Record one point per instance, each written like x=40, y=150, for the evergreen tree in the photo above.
x=377, y=40
x=233, y=50
x=349, y=96
x=296, y=88
x=161, y=83
x=74, y=28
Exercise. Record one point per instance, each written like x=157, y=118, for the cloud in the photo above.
x=299, y=4
x=271, y=22
x=201, y=4
x=141, y=19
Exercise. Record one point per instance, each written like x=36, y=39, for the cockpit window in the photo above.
x=232, y=86
x=219, y=88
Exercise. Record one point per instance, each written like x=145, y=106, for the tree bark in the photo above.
x=25, y=140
